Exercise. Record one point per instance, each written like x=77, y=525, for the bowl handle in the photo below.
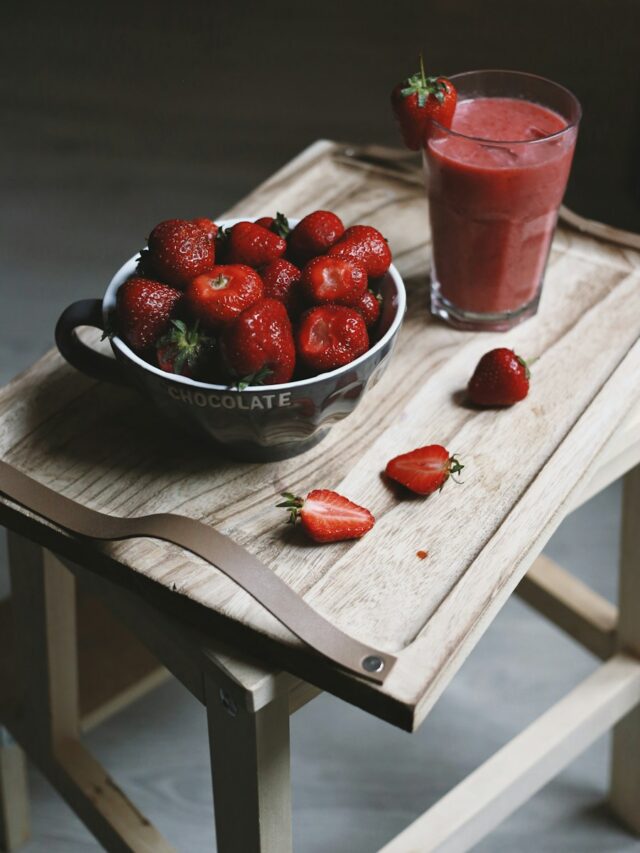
x=85, y=312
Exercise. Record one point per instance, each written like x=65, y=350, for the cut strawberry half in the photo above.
x=424, y=470
x=326, y=516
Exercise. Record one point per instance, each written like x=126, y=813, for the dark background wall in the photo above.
x=119, y=114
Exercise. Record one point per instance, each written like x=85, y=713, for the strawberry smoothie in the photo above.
x=495, y=181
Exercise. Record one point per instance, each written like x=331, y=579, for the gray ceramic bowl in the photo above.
x=261, y=423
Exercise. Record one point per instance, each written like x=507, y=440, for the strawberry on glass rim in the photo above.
x=418, y=100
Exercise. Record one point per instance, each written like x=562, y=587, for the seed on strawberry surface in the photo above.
x=424, y=470
x=326, y=516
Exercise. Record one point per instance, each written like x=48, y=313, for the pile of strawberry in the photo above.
x=257, y=303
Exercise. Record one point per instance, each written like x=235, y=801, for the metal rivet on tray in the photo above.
x=373, y=663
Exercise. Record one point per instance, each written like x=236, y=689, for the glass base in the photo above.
x=474, y=321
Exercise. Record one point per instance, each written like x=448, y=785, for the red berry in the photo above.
x=259, y=344
x=418, y=101
x=186, y=351
x=144, y=309
x=314, y=234
x=339, y=280
x=251, y=244
x=207, y=225
x=282, y=281
x=278, y=224
x=220, y=295
x=326, y=516
x=178, y=251
x=369, y=306
x=265, y=221
x=500, y=379
x=330, y=336
x=364, y=244
x=423, y=470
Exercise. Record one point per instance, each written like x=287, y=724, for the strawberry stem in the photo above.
x=293, y=505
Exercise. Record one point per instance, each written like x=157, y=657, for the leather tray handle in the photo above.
x=85, y=312
x=218, y=550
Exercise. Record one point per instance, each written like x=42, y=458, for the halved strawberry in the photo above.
x=425, y=469
x=338, y=280
x=326, y=516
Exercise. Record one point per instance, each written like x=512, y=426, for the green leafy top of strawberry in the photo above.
x=281, y=226
x=422, y=86
x=186, y=343
x=293, y=504
x=257, y=378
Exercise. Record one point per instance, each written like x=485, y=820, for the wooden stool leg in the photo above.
x=251, y=774
x=14, y=794
x=625, y=766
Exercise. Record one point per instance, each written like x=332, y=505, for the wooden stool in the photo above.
x=50, y=691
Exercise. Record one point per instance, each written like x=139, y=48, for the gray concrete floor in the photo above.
x=118, y=116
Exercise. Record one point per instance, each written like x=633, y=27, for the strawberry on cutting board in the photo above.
x=220, y=295
x=258, y=346
x=424, y=470
x=417, y=101
x=501, y=378
x=314, y=234
x=178, y=250
x=364, y=244
x=252, y=244
x=329, y=336
x=326, y=516
x=339, y=280
x=144, y=309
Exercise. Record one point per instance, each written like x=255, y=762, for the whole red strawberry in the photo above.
x=251, y=244
x=419, y=100
x=314, y=234
x=339, y=280
x=425, y=469
x=330, y=336
x=178, y=251
x=220, y=295
x=185, y=350
x=500, y=379
x=278, y=224
x=369, y=306
x=259, y=344
x=282, y=281
x=144, y=309
x=365, y=244
x=207, y=225
x=326, y=516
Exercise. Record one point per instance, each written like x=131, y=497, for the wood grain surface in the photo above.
x=106, y=447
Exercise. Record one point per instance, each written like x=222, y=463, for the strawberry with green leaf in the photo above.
x=185, y=350
x=419, y=100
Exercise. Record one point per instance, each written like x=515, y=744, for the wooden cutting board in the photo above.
x=106, y=447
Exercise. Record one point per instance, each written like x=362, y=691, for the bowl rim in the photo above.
x=128, y=268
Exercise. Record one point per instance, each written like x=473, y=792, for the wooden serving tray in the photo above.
x=106, y=448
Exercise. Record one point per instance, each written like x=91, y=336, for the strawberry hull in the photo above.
x=261, y=423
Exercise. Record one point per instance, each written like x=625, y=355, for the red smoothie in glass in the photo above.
x=493, y=200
